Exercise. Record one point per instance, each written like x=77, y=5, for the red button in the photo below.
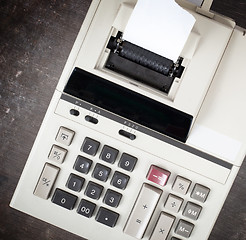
x=158, y=175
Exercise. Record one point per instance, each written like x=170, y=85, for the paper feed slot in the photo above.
x=142, y=65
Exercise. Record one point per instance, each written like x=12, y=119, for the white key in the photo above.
x=46, y=181
x=142, y=211
x=162, y=227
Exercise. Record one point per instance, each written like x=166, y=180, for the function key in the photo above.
x=82, y=164
x=107, y=217
x=75, y=182
x=127, y=162
x=90, y=146
x=112, y=198
x=64, y=199
x=184, y=228
x=173, y=203
x=158, y=175
x=86, y=208
x=109, y=154
x=192, y=210
x=142, y=211
x=57, y=154
x=181, y=185
x=93, y=190
x=101, y=172
x=120, y=180
x=46, y=181
x=163, y=226
x=200, y=193
x=65, y=136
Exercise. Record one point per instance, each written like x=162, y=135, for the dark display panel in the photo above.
x=129, y=104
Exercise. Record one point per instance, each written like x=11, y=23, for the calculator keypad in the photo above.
x=85, y=166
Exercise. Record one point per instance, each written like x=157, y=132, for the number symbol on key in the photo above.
x=45, y=181
x=181, y=186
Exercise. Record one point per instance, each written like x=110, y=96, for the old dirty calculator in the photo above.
x=119, y=155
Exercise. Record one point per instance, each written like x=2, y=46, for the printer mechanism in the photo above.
x=142, y=65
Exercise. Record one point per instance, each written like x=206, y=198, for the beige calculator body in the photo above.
x=103, y=170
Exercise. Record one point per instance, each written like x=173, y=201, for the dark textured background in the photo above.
x=36, y=37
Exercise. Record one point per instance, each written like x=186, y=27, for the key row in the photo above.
x=93, y=190
x=191, y=210
x=85, y=208
x=90, y=146
x=181, y=185
x=101, y=172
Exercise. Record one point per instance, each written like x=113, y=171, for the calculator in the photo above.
x=118, y=158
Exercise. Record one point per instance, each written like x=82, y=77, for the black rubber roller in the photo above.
x=145, y=58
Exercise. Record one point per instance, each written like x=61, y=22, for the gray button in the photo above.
x=181, y=185
x=57, y=154
x=65, y=136
x=184, y=228
x=46, y=181
x=173, y=203
x=200, y=193
x=142, y=211
x=162, y=227
x=192, y=211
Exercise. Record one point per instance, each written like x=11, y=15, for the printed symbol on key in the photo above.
x=173, y=204
x=64, y=136
x=138, y=221
x=161, y=231
x=145, y=206
x=57, y=155
x=45, y=181
x=181, y=186
x=200, y=194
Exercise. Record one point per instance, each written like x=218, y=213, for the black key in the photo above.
x=64, y=199
x=82, y=164
x=120, y=180
x=93, y=190
x=127, y=162
x=101, y=172
x=112, y=198
x=174, y=238
x=107, y=217
x=109, y=154
x=75, y=182
x=86, y=208
x=90, y=146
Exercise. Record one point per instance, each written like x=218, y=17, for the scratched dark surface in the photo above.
x=35, y=40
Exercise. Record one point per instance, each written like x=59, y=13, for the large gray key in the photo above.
x=142, y=211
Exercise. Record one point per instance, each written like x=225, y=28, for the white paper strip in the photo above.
x=161, y=26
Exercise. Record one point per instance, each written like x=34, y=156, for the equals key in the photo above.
x=46, y=181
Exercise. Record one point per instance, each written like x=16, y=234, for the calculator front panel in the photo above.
x=175, y=201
